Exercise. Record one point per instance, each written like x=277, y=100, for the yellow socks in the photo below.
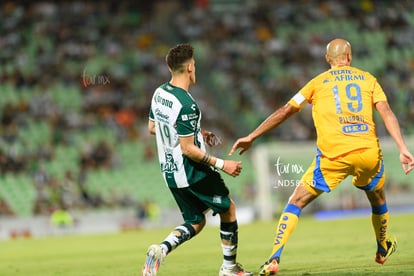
x=287, y=223
x=379, y=218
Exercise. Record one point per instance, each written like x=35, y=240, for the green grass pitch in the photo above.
x=334, y=247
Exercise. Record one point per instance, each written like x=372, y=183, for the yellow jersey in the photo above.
x=342, y=101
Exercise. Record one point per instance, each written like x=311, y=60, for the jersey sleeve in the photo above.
x=378, y=93
x=304, y=96
x=151, y=115
x=298, y=101
x=185, y=124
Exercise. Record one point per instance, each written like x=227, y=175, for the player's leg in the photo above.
x=311, y=186
x=181, y=234
x=194, y=221
x=286, y=225
x=323, y=175
x=289, y=218
x=229, y=235
x=370, y=177
x=385, y=245
x=214, y=193
x=156, y=253
x=192, y=209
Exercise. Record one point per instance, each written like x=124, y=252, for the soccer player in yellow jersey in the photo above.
x=343, y=99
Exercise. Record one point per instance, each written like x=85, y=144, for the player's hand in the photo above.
x=244, y=143
x=232, y=167
x=210, y=138
x=407, y=161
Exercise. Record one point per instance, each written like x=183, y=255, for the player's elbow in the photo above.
x=288, y=110
x=186, y=150
x=190, y=152
x=151, y=127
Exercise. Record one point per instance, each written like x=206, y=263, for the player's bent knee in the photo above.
x=302, y=196
x=376, y=197
x=199, y=226
x=185, y=232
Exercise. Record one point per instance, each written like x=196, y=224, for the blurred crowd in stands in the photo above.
x=252, y=56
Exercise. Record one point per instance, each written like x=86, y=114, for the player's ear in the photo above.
x=349, y=57
x=327, y=59
x=190, y=67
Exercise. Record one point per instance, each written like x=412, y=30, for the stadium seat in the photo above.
x=18, y=191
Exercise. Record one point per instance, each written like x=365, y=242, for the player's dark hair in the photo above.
x=178, y=55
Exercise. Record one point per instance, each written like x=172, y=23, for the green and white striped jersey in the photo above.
x=175, y=114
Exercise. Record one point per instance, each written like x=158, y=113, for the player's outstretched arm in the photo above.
x=244, y=143
x=274, y=119
x=393, y=128
x=193, y=152
x=232, y=167
x=407, y=161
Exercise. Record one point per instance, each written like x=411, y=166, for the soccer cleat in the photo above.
x=269, y=268
x=155, y=256
x=236, y=270
x=391, y=247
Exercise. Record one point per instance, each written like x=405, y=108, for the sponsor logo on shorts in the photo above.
x=217, y=199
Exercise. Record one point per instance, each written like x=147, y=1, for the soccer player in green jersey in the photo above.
x=189, y=171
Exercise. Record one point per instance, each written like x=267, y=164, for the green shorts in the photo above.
x=209, y=193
